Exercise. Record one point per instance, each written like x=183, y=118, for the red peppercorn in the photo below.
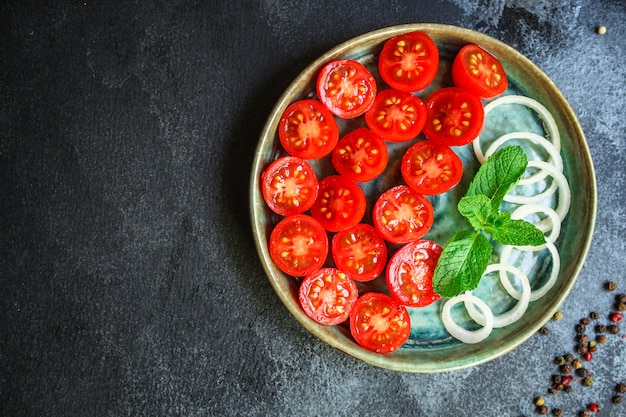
x=594, y=408
x=588, y=356
x=616, y=317
x=567, y=379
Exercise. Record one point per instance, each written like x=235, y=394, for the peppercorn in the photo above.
x=567, y=379
x=601, y=30
x=552, y=391
x=583, y=413
x=585, y=321
x=544, y=330
x=568, y=388
x=593, y=346
x=539, y=401
x=601, y=339
x=577, y=363
x=621, y=298
x=559, y=360
x=594, y=315
x=621, y=388
x=613, y=329
x=594, y=407
x=616, y=317
x=542, y=409
x=569, y=357
x=588, y=356
x=580, y=328
x=566, y=368
x=610, y=286
x=600, y=328
x=582, y=372
x=583, y=338
x=582, y=349
x=617, y=399
x=557, y=315
x=556, y=379
x=557, y=412
x=621, y=307
x=588, y=381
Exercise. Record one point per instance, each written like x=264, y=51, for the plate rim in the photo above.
x=340, y=340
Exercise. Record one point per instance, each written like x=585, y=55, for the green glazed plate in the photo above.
x=430, y=348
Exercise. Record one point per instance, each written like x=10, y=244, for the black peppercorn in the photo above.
x=583, y=413
x=594, y=315
x=582, y=349
x=583, y=338
x=580, y=328
x=617, y=399
x=582, y=372
x=611, y=285
x=542, y=409
x=566, y=368
x=613, y=329
x=569, y=357
x=584, y=321
x=568, y=388
x=621, y=307
x=621, y=298
x=557, y=412
x=556, y=379
x=621, y=388
x=552, y=391
x=601, y=339
x=544, y=330
x=600, y=328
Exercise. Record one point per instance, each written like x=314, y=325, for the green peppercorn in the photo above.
x=539, y=401
x=593, y=346
x=610, y=286
x=557, y=315
x=588, y=381
x=559, y=360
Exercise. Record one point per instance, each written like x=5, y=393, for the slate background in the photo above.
x=129, y=282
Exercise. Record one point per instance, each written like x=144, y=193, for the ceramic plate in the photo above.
x=430, y=348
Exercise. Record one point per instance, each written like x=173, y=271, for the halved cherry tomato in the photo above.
x=298, y=245
x=409, y=62
x=289, y=186
x=328, y=295
x=379, y=323
x=340, y=203
x=476, y=69
x=360, y=251
x=454, y=116
x=346, y=87
x=410, y=273
x=308, y=130
x=360, y=155
x=396, y=116
x=431, y=168
x=401, y=215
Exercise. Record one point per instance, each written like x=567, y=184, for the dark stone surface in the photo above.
x=129, y=281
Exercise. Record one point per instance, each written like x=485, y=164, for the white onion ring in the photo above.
x=554, y=226
x=460, y=333
x=562, y=184
x=539, y=292
x=509, y=316
x=555, y=156
x=549, y=123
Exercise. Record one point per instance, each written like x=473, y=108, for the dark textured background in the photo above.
x=129, y=281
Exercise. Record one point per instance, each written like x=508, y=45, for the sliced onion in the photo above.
x=541, y=291
x=561, y=183
x=554, y=226
x=460, y=333
x=512, y=315
x=549, y=123
x=555, y=156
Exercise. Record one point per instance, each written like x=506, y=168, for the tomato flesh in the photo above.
x=409, y=62
x=379, y=323
x=397, y=116
x=410, y=273
x=476, y=69
x=401, y=215
x=360, y=251
x=431, y=168
x=289, y=186
x=298, y=245
x=340, y=203
x=308, y=130
x=328, y=295
x=454, y=116
x=346, y=87
x=360, y=155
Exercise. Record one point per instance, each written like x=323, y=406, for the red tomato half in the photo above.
x=401, y=215
x=346, y=87
x=476, y=69
x=328, y=295
x=454, y=116
x=289, y=186
x=409, y=62
x=396, y=116
x=379, y=323
x=308, y=130
x=360, y=155
x=410, y=273
x=431, y=168
x=340, y=203
x=360, y=251
x=298, y=245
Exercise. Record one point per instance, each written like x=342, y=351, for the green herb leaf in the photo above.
x=462, y=263
x=515, y=232
x=477, y=209
x=498, y=174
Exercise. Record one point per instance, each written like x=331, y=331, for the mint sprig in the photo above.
x=466, y=256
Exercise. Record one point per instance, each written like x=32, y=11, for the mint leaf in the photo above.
x=462, y=263
x=515, y=232
x=498, y=174
x=477, y=209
